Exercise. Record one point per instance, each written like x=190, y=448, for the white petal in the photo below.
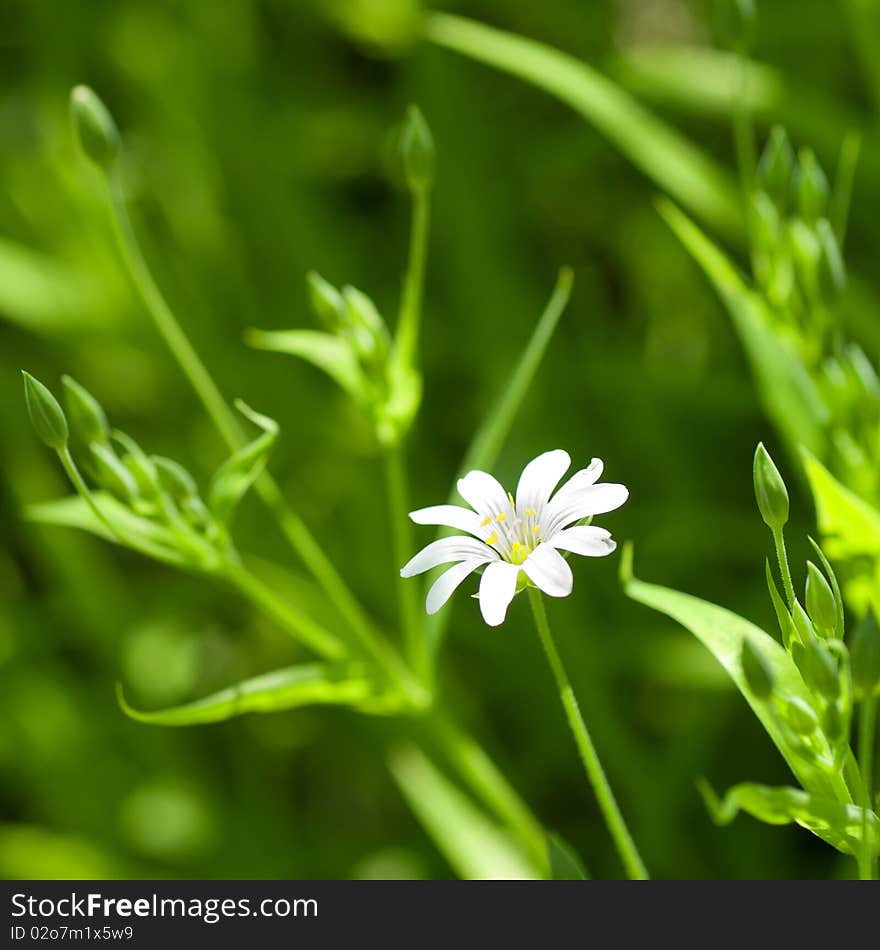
x=445, y=551
x=497, y=588
x=588, y=540
x=549, y=570
x=592, y=500
x=444, y=587
x=450, y=516
x=539, y=478
x=483, y=492
x=580, y=480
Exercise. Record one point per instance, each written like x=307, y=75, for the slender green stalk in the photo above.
x=480, y=772
x=294, y=529
x=867, y=725
x=408, y=594
x=784, y=570
x=626, y=847
x=301, y=626
x=410, y=317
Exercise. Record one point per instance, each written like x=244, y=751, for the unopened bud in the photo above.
x=97, y=132
x=111, y=474
x=47, y=416
x=326, y=301
x=417, y=148
x=820, y=601
x=87, y=418
x=865, y=657
x=770, y=491
x=757, y=671
x=810, y=187
x=776, y=166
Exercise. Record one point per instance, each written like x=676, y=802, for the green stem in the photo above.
x=480, y=772
x=867, y=724
x=410, y=317
x=408, y=593
x=784, y=570
x=301, y=626
x=294, y=529
x=626, y=847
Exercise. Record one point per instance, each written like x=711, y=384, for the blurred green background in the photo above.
x=260, y=142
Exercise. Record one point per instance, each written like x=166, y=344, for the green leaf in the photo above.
x=666, y=157
x=74, y=512
x=329, y=353
x=790, y=397
x=489, y=437
x=474, y=845
x=289, y=688
x=837, y=823
x=565, y=863
x=850, y=526
x=236, y=475
x=724, y=633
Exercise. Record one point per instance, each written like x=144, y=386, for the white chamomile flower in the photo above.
x=517, y=539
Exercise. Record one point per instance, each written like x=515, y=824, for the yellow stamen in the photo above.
x=501, y=517
x=512, y=502
x=492, y=539
x=485, y=521
x=531, y=511
x=536, y=528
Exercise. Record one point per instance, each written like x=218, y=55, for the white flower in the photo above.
x=518, y=538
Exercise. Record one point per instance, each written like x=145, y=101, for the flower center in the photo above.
x=513, y=534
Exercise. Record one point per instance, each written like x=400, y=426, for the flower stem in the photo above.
x=867, y=724
x=784, y=570
x=410, y=614
x=303, y=628
x=294, y=529
x=474, y=765
x=409, y=319
x=626, y=847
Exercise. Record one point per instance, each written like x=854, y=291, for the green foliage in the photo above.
x=47, y=416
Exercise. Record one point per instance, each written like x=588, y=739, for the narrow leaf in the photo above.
x=667, y=158
x=837, y=823
x=236, y=475
x=565, y=863
x=475, y=847
x=789, y=395
x=289, y=688
x=329, y=353
x=723, y=633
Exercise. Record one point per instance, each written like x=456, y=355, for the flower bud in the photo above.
x=810, y=187
x=111, y=474
x=175, y=479
x=97, y=132
x=757, y=671
x=820, y=601
x=821, y=670
x=142, y=468
x=776, y=166
x=806, y=254
x=87, y=417
x=834, y=726
x=368, y=330
x=802, y=624
x=799, y=716
x=47, y=416
x=865, y=657
x=326, y=301
x=417, y=148
x=770, y=491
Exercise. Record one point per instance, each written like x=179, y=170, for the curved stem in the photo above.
x=301, y=626
x=409, y=320
x=292, y=526
x=867, y=724
x=410, y=613
x=626, y=847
